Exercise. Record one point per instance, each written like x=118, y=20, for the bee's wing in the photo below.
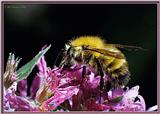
x=107, y=52
x=127, y=47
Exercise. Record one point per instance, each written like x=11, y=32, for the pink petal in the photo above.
x=153, y=108
x=93, y=106
x=34, y=87
x=93, y=81
x=142, y=102
x=59, y=97
x=42, y=66
x=19, y=103
x=22, y=88
x=24, y=105
x=132, y=93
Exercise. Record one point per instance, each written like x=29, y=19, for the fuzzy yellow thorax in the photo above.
x=92, y=41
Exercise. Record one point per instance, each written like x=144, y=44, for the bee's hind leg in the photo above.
x=100, y=70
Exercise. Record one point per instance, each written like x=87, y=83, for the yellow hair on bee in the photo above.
x=93, y=41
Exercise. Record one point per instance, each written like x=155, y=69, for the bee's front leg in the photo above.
x=83, y=72
x=86, y=60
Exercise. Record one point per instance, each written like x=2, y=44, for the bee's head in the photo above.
x=74, y=51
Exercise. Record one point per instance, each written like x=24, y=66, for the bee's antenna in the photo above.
x=55, y=62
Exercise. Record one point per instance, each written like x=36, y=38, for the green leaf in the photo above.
x=117, y=99
x=26, y=69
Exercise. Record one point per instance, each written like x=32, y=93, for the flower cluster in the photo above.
x=64, y=89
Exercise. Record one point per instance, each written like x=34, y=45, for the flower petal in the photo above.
x=93, y=106
x=153, y=108
x=18, y=103
x=59, y=97
x=22, y=88
x=132, y=93
x=34, y=87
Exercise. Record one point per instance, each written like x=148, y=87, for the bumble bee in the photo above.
x=105, y=58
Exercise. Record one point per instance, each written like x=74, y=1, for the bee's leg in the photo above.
x=65, y=62
x=87, y=60
x=83, y=72
x=100, y=70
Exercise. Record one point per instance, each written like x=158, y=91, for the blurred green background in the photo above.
x=28, y=27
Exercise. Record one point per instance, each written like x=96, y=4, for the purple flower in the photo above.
x=64, y=89
x=15, y=85
x=13, y=102
x=129, y=102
